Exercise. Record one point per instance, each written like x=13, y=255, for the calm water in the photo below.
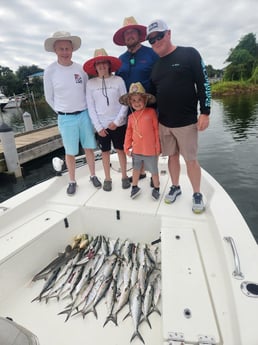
x=227, y=150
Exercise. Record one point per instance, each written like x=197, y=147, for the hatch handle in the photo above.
x=237, y=271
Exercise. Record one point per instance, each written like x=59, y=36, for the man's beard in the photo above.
x=132, y=45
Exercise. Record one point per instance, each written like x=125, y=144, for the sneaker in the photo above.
x=172, y=195
x=71, y=189
x=126, y=183
x=95, y=181
x=198, y=205
x=107, y=186
x=135, y=191
x=140, y=177
x=155, y=194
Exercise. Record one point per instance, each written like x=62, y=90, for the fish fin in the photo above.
x=126, y=316
x=38, y=298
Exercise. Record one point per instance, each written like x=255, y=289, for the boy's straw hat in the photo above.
x=137, y=89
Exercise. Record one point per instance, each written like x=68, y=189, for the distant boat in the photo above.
x=15, y=101
x=3, y=100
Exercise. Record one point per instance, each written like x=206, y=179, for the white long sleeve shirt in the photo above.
x=103, y=101
x=65, y=87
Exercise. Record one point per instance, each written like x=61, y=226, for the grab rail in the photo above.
x=237, y=271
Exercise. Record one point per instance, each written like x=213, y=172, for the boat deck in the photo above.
x=200, y=298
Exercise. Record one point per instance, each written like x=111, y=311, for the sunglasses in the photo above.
x=158, y=37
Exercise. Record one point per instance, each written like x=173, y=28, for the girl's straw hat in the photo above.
x=101, y=55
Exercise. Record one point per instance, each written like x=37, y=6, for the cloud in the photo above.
x=212, y=27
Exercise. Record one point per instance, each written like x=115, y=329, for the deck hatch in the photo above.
x=188, y=307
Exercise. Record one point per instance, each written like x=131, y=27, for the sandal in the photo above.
x=107, y=185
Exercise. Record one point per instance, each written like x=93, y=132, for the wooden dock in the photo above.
x=34, y=144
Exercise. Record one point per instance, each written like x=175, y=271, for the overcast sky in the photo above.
x=211, y=26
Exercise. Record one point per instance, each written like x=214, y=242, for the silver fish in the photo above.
x=110, y=303
x=147, y=304
x=135, y=303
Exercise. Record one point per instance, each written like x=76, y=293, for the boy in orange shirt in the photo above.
x=142, y=136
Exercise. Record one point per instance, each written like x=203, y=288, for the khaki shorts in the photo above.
x=182, y=140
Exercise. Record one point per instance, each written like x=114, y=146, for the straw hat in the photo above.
x=101, y=55
x=129, y=23
x=62, y=36
x=137, y=89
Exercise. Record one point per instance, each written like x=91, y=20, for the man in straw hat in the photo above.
x=107, y=114
x=65, y=91
x=142, y=136
x=182, y=86
x=137, y=60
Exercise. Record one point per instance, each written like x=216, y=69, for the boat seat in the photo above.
x=187, y=308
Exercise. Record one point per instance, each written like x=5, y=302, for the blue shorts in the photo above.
x=76, y=129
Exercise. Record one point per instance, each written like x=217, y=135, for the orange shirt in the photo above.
x=142, y=133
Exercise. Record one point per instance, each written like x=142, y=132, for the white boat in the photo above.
x=3, y=101
x=209, y=275
x=14, y=102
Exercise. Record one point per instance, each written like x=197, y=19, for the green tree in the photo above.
x=9, y=83
x=24, y=72
x=254, y=77
x=243, y=59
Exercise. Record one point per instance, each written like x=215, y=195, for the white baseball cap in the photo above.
x=156, y=25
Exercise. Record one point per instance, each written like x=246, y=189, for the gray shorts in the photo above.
x=150, y=163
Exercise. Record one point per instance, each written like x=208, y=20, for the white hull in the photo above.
x=3, y=100
x=13, y=103
x=201, y=299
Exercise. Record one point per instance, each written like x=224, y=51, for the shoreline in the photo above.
x=226, y=88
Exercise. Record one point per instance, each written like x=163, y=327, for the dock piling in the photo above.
x=10, y=151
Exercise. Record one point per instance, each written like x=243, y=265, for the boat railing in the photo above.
x=237, y=271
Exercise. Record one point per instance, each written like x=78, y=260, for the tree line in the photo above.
x=242, y=65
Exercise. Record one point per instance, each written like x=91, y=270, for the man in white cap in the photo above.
x=65, y=91
x=181, y=85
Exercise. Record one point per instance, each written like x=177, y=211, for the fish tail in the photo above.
x=66, y=311
x=92, y=310
x=147, y=320
x=155, y=309
x=113, y=318
x=137, y=334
